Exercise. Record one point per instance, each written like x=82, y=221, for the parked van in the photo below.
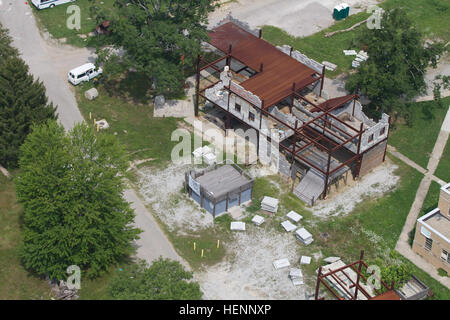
x=42, y=4
x=83, y=73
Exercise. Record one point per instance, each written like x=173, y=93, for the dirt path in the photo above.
x=402, y=245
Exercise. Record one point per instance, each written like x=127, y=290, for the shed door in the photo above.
x=233, y=200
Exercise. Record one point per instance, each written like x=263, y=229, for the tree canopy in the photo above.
x=23, y=102
x=398, y=58
x=164, y=280
x=70, y=186
x=159, y=37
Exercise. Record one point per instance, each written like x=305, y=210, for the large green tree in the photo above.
x=164, y=280
x=23, y=102
x=398, y=58
x=71, y=185
x=159, y=38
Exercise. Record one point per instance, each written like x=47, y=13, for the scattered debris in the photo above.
x=330, y=34
x=237, y=226
x=103, y=28
x=258, y=220
x=281, y=263
x=350, y=52
x=4, y=172
x=159, y=102
x=288, y=226
x=294, y=216
x=102, y=124
x=296, y=276
x=62, y=291
x=303, y=236
x=329, y=66
x=269, y=204
x=91, y=94
x=331, y=259
x=305, y=260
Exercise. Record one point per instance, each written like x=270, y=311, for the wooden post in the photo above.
x=361, y=256
x=323, y=80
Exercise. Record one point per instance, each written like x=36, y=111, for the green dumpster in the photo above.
x=341, y=11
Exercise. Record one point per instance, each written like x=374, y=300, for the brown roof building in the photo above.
x=278, y=92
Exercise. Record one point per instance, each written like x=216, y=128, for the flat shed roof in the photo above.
x=280, y=70
x=223, y=180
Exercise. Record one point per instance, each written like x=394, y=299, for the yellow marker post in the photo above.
x=98, y=127
x=94, y=121
x=218, y=244
x=202, y=253
x=90, y=116
x=194, y=245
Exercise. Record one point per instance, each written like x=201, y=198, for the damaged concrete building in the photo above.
x=257, y=85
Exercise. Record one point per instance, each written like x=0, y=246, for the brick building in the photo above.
x=432, y=238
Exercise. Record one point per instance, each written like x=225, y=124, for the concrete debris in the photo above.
x=258, y=220
x=329, y=66
x=91, y=94
x=288, y=226
x=281, y=263
x=360, y=57
x=237, y=226
x=304, y=236
x=305, y=260
x=331, y=259
x=350, y=52
x=62, y=291
x=296, y=276
x=160, y=101
x=102, y=124
x=210, y=158
x=269, y=204
x=294, y=216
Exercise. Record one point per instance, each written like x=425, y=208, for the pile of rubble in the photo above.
x=62, y=292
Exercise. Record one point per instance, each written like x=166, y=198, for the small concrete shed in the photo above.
x=219, y=187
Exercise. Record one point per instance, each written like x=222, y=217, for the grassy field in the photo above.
x=417, y=142
x=16, y=283
x=54, y=20
x=443, y=169
x=130, y=116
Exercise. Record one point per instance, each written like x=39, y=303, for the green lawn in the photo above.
x=443, y=169
x=417, y=142
x=130, y=115
x=54, y=20
x=16, y=283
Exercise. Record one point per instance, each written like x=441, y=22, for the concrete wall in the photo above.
x=434, y=255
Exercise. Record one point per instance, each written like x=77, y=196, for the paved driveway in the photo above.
x=51, y=62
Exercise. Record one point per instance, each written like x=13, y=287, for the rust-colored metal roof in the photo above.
x=333, y=103
x=389, y=295
x=280, y=71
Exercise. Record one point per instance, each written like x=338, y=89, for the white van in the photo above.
x=42, y=4
x=83, y=73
